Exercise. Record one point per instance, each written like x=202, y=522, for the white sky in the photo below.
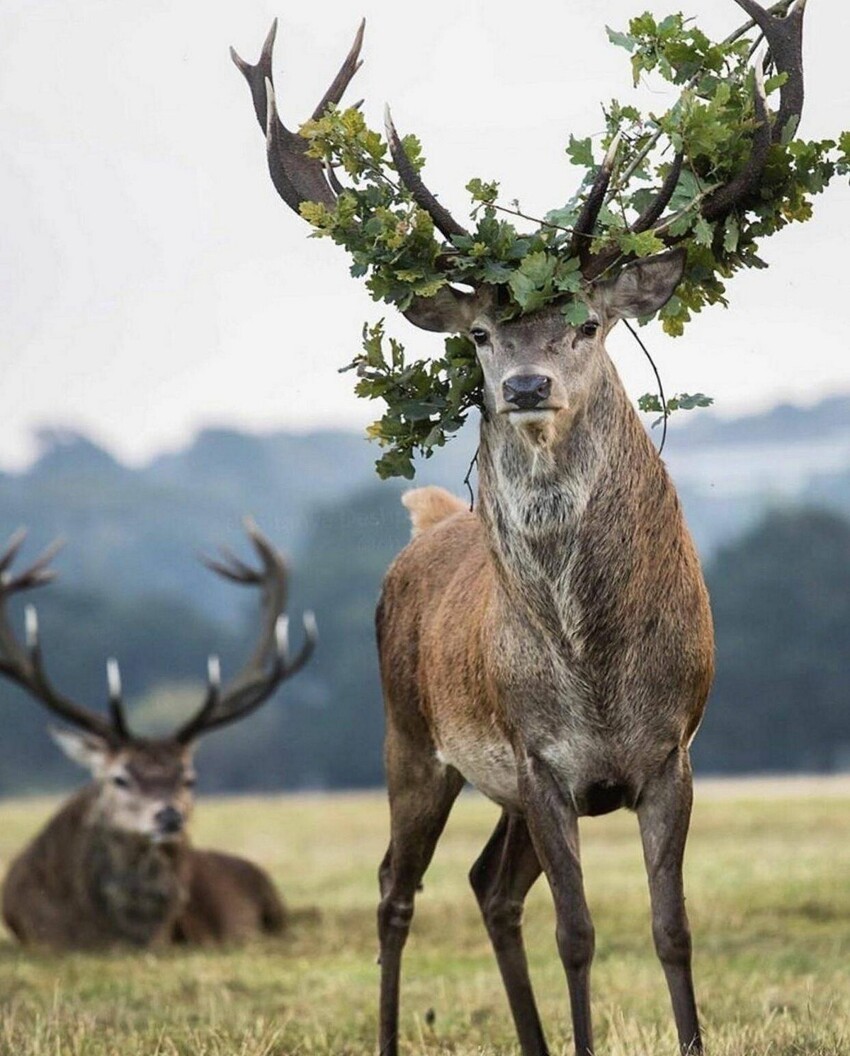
x=152, y=282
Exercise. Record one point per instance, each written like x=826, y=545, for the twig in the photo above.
x=533, y=219
x=664, y=410
x=472, y=465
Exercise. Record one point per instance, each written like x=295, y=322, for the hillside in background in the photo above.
x=131, y=585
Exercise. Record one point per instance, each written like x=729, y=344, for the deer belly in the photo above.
x=487, y=762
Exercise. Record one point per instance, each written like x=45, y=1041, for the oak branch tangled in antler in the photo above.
x=716, y=172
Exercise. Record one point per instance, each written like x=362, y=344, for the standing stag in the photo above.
x=555, y=648
x=114, y=864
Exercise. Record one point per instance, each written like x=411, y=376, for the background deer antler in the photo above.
x=23, y=663
x=270, y=664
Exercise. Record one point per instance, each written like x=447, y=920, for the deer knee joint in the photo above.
x=576, y=942
x=394, y=917
x=502, y=915
x=672, y=941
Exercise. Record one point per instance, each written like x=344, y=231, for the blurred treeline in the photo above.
x=130, y=586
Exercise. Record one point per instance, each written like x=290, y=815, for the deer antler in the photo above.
x=297, y=177
x=271, y=662
x=443, y=219
x=23, y=663
x=784, y=36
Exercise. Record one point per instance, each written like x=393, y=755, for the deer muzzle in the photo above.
x=169, y=821
x=525, y=392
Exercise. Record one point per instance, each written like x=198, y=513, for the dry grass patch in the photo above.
x=769, y=896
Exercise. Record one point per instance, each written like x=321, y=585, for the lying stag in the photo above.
x=114, y=864
x=555, y=648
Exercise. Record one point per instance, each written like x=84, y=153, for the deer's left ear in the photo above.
x=86, y=749
x=643, y=287
x=449, y=311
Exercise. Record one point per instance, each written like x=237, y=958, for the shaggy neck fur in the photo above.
x=135, y=883
x=533, y=495
x=557, y=517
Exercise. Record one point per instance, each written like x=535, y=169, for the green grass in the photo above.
x=769, y=898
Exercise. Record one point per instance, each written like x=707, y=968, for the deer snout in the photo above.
x=169, y=821
x=526, y=391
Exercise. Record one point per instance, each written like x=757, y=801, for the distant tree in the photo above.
x=336, y=739
x=781, y=602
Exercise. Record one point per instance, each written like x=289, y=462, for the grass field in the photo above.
x=769, y=897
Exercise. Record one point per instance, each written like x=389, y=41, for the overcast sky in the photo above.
x=154, y=283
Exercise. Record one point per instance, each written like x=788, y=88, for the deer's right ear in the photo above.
x=642, y=287
x=86, y=749
x=449, y=311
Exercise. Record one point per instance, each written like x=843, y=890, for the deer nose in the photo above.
x=525, y=391
x=169, y=820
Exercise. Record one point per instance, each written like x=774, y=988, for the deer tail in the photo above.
x=428, y=506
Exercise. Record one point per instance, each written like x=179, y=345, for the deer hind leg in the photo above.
x=553, y=824
x=664, y=813
x=501, y=878
x=421, y=796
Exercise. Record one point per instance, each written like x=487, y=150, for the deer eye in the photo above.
x=589, y=327
x=479, y=335
x=189, y=781
x=120, y=781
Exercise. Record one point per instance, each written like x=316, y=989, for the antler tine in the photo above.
x=350, y=66
x=443, y=219
x=583, y=228
x=257, y=74
x=245, y=700
x=231, y=568
x=257, y=680
x=653, y=211
x=288, y=664
x=116, y=699
x=721, y=202
x=297, y=177
x=271, y=577
x=22, y=664
x=784, y=36
x=273, y=581
x=14, y=544
x=199, y=721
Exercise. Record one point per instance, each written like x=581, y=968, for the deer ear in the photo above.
x=449, y=311
x=643, y=287
x=86, y=749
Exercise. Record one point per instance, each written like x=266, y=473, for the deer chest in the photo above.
x=135, y=890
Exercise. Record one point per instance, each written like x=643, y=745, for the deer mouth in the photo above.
x=530, y=413
x=536, y=426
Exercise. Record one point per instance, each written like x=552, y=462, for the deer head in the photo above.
x=540, y=371
x=145, y=784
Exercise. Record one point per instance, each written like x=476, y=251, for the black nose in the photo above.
x=525, y=391
x=169, y=820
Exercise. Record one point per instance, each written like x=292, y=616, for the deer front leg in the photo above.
x=553, y=824
x=501, y=878
x=664, y=813
x=421, y=792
